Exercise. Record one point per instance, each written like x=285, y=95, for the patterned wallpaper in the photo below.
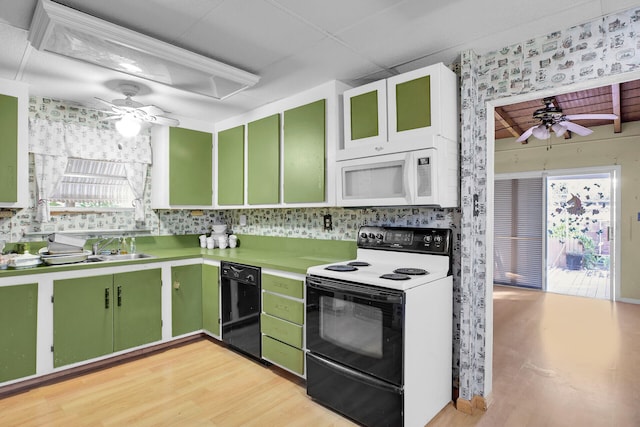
x=603, y=47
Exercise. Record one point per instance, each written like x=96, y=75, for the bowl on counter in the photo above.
x=219, y=228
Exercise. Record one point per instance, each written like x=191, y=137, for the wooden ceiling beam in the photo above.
x=510, y=125
x=615, y=103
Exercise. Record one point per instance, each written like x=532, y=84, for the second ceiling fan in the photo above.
x=553, y=119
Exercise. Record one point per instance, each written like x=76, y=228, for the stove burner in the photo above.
x=394, y=276
x=359, y=264
x=411, y=271
x=340, y=268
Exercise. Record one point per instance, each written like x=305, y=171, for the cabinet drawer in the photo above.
x=281, y=330
x=282, y=285
x=283, y=354
x=283, y=308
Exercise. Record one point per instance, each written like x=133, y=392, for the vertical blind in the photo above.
x=518, y=232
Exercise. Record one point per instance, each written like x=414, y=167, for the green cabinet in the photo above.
x=230, y=182
x=211, y=299
x=263, y=161
x=9, y=149
x=304, y=144
x=18, y=331
x=403, y=113
x=186, y=299
x=282, y=322
x=190, y=167
x=97, y=315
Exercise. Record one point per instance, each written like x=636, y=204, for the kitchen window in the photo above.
x=92, y=185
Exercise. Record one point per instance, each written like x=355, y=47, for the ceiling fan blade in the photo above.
x=573, y=127
x=152, y=110
x=526, y=134
x=591, y=117
x=559, y=128
x=163, y=120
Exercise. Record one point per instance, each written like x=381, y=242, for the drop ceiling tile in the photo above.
x=17, y=13
x=250, y=34
x=14, y=43
x=335, y=15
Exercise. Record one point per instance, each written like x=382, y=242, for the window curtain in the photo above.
x=61, y=140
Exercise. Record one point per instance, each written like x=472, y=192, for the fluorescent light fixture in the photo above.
x=74, y=34
x=128, y=126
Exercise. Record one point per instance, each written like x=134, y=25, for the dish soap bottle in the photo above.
x=123, y=245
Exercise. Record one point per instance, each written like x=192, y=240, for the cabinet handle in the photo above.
x=119, y=296
x=106, y=297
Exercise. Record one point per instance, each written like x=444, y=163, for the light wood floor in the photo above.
x=558, y=361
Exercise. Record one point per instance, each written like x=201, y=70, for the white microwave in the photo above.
x=427, y=177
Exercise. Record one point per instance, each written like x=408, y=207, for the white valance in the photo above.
x=58, y=138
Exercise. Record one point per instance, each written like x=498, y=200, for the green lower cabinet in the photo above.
x=211, y=299
x=283, y=354
x=18, y=331
x=138, y=309
x=95, y=316
x=186, y=299
x=284, y=308
x=287, y=332
x=304, y=142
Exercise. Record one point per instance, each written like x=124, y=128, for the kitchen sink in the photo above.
x=122, y=257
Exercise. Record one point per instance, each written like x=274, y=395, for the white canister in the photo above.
x=233, y=241
x=203, y=240
x=222, y=242
x=211, y=243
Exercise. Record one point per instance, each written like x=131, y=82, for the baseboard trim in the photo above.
x=629, y=300
x=26, y=385
x=469, y=406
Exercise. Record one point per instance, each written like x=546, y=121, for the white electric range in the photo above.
x=379, y=328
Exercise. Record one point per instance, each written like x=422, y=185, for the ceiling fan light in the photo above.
x=128, y=126
x=559, y=129
x=541, y=132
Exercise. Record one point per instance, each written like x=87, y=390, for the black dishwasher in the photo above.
x=241, y=307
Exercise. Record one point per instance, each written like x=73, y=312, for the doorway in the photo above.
x=553, y=231
x=579, y=220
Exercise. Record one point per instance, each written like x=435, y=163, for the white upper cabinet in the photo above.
x=402, y=113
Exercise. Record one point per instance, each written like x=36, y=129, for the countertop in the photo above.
x=293, y=255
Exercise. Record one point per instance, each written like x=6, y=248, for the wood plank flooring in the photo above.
x=558, y=361
x=584, y=283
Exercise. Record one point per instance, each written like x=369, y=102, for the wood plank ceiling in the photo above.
x=622, y=99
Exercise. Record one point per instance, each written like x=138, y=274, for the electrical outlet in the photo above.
x=328, y=222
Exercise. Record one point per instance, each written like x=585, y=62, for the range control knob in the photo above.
x=379, y=236
x=427, y=239
x=372, y=236
x=438, y=238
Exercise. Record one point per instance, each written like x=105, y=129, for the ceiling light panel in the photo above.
x=68, y=32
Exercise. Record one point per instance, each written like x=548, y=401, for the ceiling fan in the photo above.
x=131, y=114
x=551, y=117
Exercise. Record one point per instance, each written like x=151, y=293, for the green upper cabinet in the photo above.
x=403, y=113
x=14, y=135
x=211, y=299
x=231, y=166
x=190, y=167
x=9, y=148
x=304, y=153
x=18, y=331
x=186, y=299
x=97, y=315
x=263, y=161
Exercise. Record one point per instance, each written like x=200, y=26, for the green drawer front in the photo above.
x=281, y=330
x=282, y=285
x=283, y=308
x=283, y=354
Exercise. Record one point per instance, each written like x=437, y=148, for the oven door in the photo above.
x=357, y=326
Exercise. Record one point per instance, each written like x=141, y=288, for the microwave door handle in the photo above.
x=407, y=180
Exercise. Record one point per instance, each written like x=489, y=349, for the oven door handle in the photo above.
x=365, y=292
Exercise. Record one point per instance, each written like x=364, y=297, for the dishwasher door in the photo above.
x=241, y=293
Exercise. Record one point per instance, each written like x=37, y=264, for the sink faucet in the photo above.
x=102, y=243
